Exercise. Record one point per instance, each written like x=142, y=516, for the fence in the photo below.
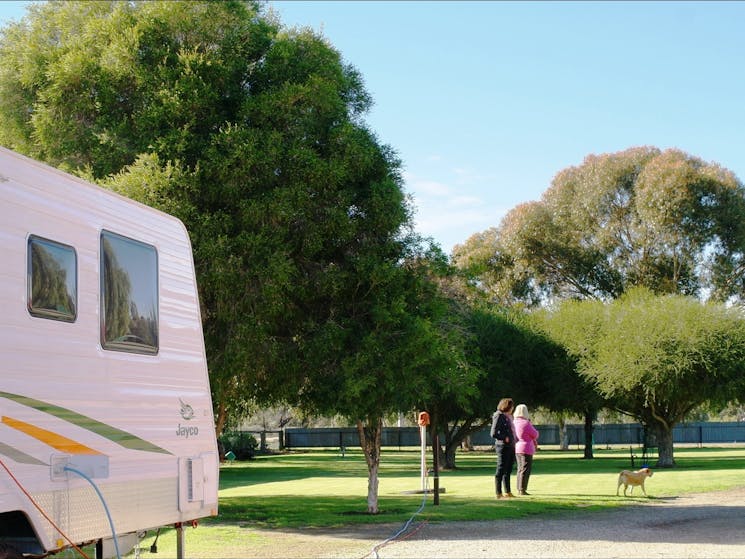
x=604, y=434
x=633, y=433
x=348, y=437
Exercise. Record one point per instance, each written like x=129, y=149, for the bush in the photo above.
x=242, y=444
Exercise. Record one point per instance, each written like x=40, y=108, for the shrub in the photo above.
x=242, y=444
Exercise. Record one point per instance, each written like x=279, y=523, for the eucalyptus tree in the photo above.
x=655, y=358
x=665, y=220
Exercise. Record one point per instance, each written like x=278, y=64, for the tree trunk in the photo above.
x=589, y=419
x=563, y=439
x=222, y=417
x=664, y=441
x=454, y=439
x=370, y=441
x=449, y=458
x=434, y=429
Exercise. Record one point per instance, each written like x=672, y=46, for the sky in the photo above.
x=485, y=102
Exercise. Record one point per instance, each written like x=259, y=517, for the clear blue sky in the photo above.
x=486, y=101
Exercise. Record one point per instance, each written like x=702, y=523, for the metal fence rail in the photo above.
x=604, y=434
x=347, y=437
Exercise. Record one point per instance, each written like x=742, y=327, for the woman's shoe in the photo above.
x=524, y=493
x=499, y=496
x=509, y=496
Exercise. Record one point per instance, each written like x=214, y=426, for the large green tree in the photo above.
x=388, y=349
x=522, y=362
x=507, y=355
x=655, y=358
x=665, y=220
x=252, y=134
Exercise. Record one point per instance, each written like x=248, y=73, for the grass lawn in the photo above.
x=324, y=489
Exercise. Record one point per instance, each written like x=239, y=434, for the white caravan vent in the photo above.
x=191, y=484
x=195, y=479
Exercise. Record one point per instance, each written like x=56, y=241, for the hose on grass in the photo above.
x=405, y=527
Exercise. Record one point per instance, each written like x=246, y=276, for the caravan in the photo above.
x=106, y=424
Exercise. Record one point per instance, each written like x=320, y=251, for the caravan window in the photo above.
x=52, y=280
x=129, y=295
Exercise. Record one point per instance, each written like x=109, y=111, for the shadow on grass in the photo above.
x=292, y=511
x=295, y=466
x=330, y=464
x=575, y=517
x=564, y=462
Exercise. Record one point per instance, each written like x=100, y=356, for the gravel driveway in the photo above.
x=709, y=525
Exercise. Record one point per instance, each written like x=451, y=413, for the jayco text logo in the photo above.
x=186, y=431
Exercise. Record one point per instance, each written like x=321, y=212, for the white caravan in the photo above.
x=106, y=424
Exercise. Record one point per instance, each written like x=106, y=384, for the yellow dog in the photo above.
x=631, y=479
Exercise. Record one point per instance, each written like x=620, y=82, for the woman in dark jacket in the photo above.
x=504, y=437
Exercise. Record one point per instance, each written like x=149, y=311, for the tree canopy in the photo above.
x=655, y=358
x=659, y=219
x=502, y=353
x=641, y=217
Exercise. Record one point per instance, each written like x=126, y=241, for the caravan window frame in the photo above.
x=47, y=312
x=138, y=259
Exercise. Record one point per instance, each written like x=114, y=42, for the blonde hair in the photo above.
x=522, y=411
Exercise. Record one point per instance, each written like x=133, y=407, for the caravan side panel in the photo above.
x=133, y=411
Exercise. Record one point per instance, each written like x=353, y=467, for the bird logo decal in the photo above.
x=187, y=412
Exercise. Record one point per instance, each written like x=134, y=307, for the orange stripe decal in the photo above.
x=63, y=444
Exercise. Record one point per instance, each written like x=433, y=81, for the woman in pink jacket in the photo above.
x=527, y=443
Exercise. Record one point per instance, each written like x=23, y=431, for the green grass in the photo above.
x=324, y=489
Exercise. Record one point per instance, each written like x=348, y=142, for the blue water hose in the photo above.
x=406, y=525
x=103, y=501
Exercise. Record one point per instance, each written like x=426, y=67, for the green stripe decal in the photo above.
x=18, y=456
x=122, y=438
